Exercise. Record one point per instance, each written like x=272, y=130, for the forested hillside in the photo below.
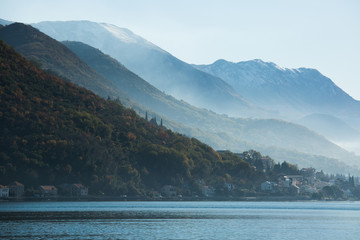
x=49, y=54
x=282, y=140
x=54, y=132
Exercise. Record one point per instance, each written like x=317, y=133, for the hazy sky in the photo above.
x=321, y=34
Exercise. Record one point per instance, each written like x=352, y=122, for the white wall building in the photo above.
x=4, y=191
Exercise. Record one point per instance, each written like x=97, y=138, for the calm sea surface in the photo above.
x=180, y=220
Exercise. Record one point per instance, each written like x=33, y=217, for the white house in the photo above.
x=79, y=190
x=285, y=182
x=4, y=191
x=268, y=186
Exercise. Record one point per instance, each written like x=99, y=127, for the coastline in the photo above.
x=174, y=199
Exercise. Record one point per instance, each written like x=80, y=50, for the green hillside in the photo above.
x=49, y=54
x=54, y=132
x=280, y=139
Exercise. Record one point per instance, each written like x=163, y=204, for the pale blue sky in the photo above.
x=321, y=34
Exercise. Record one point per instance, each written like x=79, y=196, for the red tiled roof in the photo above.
x=16, y=183
x=48, y=188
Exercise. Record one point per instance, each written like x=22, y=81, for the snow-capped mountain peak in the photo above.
x=301, y=90
x=121, y=33
x=90, y=31
x=127, y=36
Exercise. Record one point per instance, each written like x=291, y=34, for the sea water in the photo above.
x=180, y=220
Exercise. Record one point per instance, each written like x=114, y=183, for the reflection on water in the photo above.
x=180, y=220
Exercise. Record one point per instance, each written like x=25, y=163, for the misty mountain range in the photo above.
x=280, y=139
x=293, y=93
x=155, y=65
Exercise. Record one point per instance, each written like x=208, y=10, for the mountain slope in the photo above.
x=292, y=92
x=4, y=22
x=138, y=89
x=52, y=55
x=330, y=126
x=334, y=129
x=54, y=132
x=153, y=64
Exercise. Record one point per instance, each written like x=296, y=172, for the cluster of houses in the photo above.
x=307, y=182
x=16, y=190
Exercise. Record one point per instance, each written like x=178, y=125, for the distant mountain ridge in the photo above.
x=155, y=65
x=299, y=91
x=301, y=95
